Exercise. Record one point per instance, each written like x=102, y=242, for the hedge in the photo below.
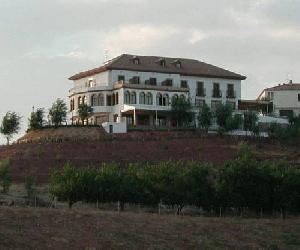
x=241, y=183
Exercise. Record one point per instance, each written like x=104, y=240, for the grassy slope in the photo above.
x=89, y=229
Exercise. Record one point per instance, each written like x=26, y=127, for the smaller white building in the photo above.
x=285, y=98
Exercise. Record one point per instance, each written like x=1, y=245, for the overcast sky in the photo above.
x=43, y=42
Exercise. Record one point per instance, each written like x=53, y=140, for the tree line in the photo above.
x=261, y=187
x=57, y=115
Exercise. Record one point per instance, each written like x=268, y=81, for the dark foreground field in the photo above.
x=24, y=228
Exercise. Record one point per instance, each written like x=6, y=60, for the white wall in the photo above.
x=287, y=99
x=118, y=127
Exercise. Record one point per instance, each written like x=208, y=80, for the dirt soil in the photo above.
x=27, y=228
x=40, y=155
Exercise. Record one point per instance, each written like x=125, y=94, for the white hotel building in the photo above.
x=139, y=88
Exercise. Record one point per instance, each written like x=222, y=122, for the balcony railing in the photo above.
x=201, y=92
x=216, y=93
x=119, y=85
x=230, y=94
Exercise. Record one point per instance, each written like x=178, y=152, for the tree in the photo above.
x=205, y=117
x=29, y=186
x=181, y=110
x=58, y=112
x=10, y=125
x=222, y=113
x=84, y=111
x=5, y=178
x=36, y=119
x=66, y=185
x=250, y=120
x=233, y=122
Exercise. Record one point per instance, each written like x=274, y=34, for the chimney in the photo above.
x=290, y=81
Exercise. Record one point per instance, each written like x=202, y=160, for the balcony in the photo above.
x=216, y=93
x=201, y=92
x=230, y=94
x=120, y=85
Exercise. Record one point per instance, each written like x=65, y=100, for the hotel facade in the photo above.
x=139, y=89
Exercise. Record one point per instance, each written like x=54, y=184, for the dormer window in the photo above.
x=162, y=62
x=136, y=60
x=177, y=64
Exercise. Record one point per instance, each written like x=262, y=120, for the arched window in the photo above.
x=101, y=100
x=159, y=100
x=149, y=99
x=79, y=101
x=94, y=100
x=127, y=97
x=166, y=100
x=113, y=99
x=142, y=98
x=71, y=105
x=133, y=97
x=84, y=100
x=117, y=98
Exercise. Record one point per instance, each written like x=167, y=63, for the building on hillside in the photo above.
x=140, y=88
x=285, y=98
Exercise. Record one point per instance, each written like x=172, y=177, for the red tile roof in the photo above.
x=187, y=67
x=285, y=86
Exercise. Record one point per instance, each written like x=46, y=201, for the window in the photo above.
x=178, y=65
x=165, y=101
x=72, y=105
x=298, y=97
x=149, y=99
x=117, y=98
x=135, y=80
x=79, y=100
x=113, y=99
x=286, y=113
x=109, y=100
x=136, y=60
x=163, y=62
x=230, y=91
x=231, y=104
x=183, y=84
x=121, y=78
x=159, y=99
x=94, y=100
x=132, y=97
x=152, y=81
x=167, y=82
x=142, y=98
x=91, y=83
x=182, y=96
x=199, y=103
x=84, y=100
x=216, y=91
x=127, y=97
x=200, y=91
x=214, y=105
x=101, y=99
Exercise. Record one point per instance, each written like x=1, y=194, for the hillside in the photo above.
x=25, y=228
x=50, y=148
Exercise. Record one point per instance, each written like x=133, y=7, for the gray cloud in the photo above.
x=44, y=42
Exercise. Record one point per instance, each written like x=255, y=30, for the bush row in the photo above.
x=241, y=183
